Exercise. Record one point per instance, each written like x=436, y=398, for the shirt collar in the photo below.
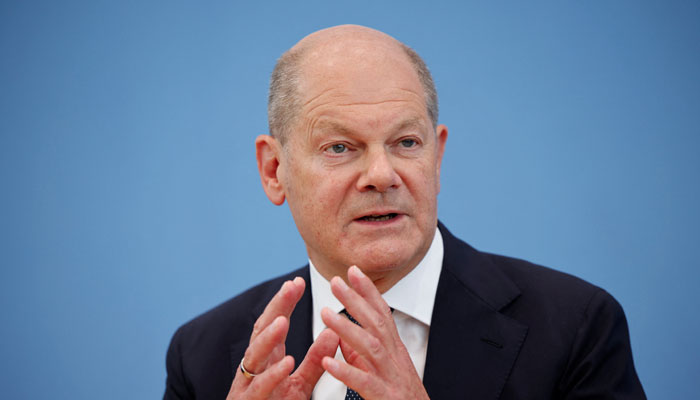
x=413, y=295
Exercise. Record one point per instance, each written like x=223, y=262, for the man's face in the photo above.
x=361, y=169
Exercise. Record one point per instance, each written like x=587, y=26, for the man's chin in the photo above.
x=385, y=271
x=383, y=259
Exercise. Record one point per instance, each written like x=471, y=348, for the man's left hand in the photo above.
x=377, y=363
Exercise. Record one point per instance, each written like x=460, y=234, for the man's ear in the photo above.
x=268, y=151
x=441, y=134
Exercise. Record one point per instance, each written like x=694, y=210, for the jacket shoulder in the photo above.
x=577, y=334
x=533, y=279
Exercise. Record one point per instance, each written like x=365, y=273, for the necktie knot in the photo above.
x=347, y=314
x=353, y=320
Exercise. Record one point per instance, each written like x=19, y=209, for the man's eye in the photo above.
x=338, y=148
x=408, y=143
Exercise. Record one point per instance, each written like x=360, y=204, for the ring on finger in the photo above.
x=245, y=372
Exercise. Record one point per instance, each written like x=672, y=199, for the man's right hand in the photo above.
x=266, y=356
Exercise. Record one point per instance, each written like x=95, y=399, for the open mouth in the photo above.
x=378, y=218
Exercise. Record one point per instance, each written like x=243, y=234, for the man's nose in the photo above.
x=378, y=172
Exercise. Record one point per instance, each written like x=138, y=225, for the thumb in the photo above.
x=310, y=369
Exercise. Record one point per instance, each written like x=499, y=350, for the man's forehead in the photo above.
x=363, y=76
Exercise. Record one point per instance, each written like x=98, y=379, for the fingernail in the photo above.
x=330, y=314
x=289, y=360
x=355, y=270
x=331, y=364
x=340, y=282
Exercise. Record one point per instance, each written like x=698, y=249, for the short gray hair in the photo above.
x=284, y=99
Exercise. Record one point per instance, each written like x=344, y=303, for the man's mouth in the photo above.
x=378, y=218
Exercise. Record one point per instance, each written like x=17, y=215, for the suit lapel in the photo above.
x=472, y=346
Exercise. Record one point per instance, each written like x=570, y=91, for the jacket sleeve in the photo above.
x=176, y=387
x=600, y=363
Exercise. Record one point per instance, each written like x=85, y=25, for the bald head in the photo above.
x=343, y=52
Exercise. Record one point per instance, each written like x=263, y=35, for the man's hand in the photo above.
x=378, y=365
x=265, y=356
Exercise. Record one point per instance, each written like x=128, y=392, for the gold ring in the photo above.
x=245, y=372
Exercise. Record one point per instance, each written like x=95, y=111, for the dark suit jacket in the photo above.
x=501, y=328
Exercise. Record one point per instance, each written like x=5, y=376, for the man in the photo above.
x=355, y=150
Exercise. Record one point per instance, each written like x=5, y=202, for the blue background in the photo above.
x=130, y=201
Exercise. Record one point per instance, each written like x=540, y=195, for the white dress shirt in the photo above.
x=412, y=299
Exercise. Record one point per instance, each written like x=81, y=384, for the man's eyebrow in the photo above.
x=411, y=123
x=332, y=126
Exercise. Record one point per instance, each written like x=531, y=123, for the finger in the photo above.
x=310, y=370
x=368, y=316
x=282, y=304
x=278, y=352
x=262, y=385
x=367, y=345
x=360, y=381
x=352, y=357
x=367, y=290
x=265, y=344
